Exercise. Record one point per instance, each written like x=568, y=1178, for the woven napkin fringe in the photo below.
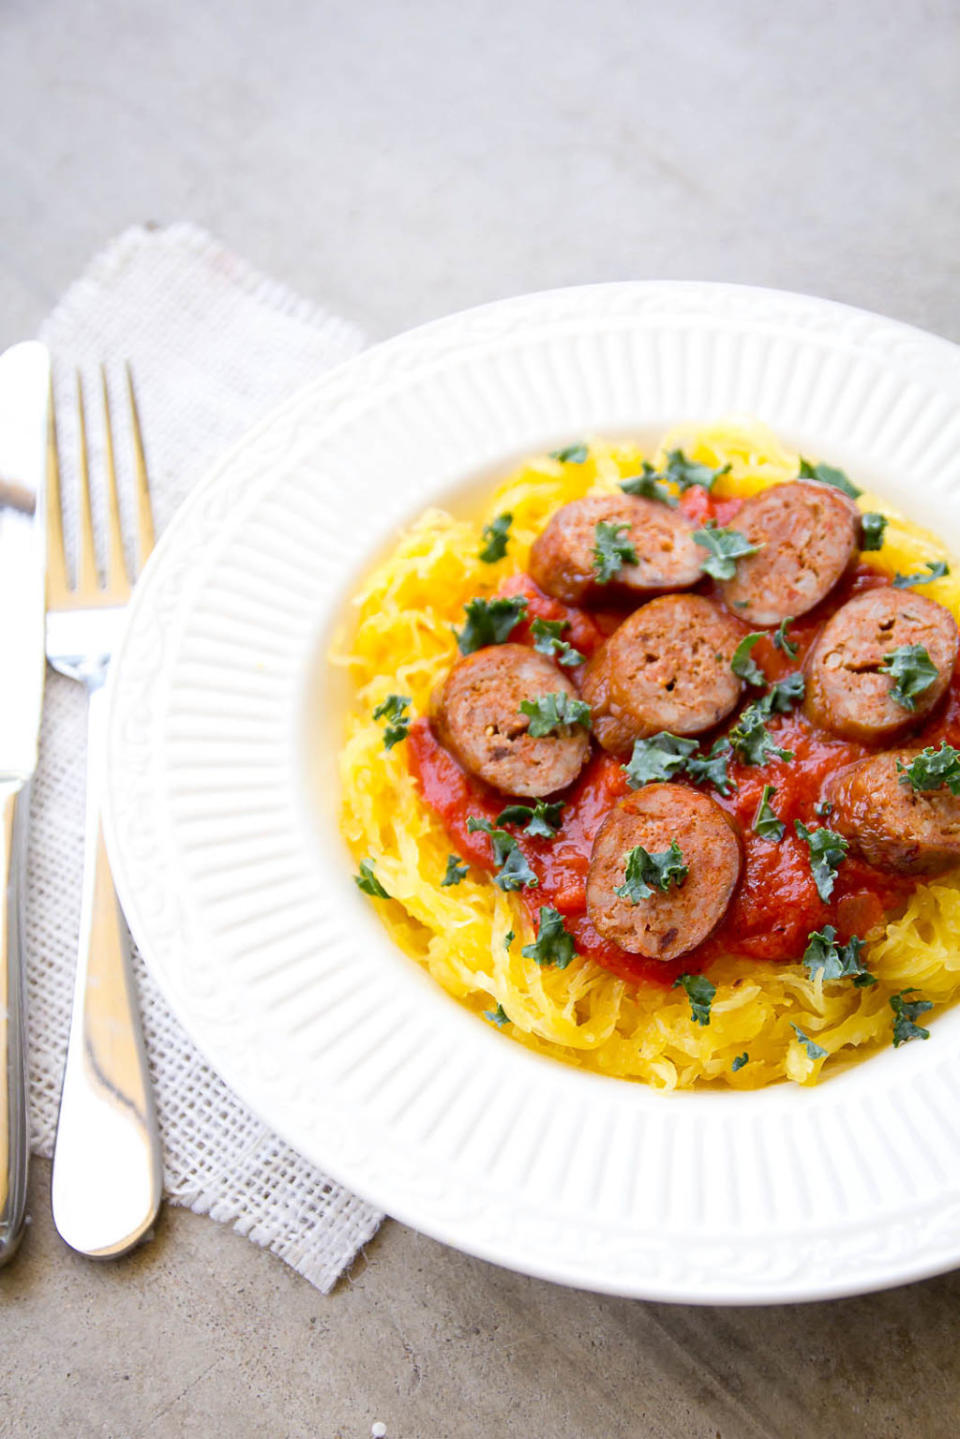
x=214, y=346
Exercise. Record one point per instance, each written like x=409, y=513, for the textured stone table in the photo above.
x=397, y=161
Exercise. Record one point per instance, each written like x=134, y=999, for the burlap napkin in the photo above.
x=214, y=346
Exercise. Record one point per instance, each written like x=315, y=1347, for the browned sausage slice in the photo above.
x=562, y=557
x=892, y=825
x=847, y=690
x=667, y=667
x=478, y=718
x=669, y=924
x=809, y=535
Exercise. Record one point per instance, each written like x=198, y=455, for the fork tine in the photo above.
x=145, y=533
x=117, y=579
x=58, y=583
x=88, y=581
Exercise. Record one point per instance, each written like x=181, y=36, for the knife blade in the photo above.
x=24, y=418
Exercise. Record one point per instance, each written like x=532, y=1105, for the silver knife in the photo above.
x=24, y=399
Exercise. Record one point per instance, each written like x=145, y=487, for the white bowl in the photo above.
x=222, y=813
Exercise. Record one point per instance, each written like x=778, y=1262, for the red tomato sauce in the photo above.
x=776, y=904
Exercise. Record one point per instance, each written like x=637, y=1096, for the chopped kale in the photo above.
x=490, y=622
x=914, y=672
x=393, y=709
x=700, y=993
x=814, y=1050
x=611, y=551
x=932, y=769
x=540, y=819
x=455, y=871
x=743, y=665
x=554, y=943
x=495, y=539
x=368, y=882
x=546, y=639
x=550, y=713
x=658, y=758
x=726, y=547
x=873, y=526
x=765, y=822
x=646, y=872
x=827, y=852
x=905, y=1013
x=781, y=641
x=571, y=454
x=828, y=475
x=936, y=569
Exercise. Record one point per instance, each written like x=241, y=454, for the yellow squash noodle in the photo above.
x=398, y=639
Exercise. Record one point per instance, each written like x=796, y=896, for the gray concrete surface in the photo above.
x=399, y=159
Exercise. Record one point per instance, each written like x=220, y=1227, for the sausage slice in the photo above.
x=669, y=924
x=478, y=719
x=847, y=690
x=562, y=557
x=667, y=667
x=809, y=534
x=892, y=825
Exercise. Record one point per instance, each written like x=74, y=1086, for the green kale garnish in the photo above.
x=743, y=665
x=368, y=882
x=700, y=993
x=905, y=1012
x=936, y=569
x=541, y=819
x=498, y=1016
x=611, y=551
x=489, y=622
x=914, y=672
x=837, y=961
x=932, y=769
x=814, y=1050
x=393, y=709
x=782, y=695
x=554, y=944
x=828, y=475
x=571, y=454
x=513, y=871
x=685, y=473
x=646, y=872
x=546, y=639
x=455, y=871
x=740, y=1061
x=712, y=768
x=781, y=641
x=873, y=526
x=765, y=822
x=827, y=852
x=726, y=547
x=751, y=739
x=649, y=486
x=658, y=758
x=550, y=713
x=495, y=539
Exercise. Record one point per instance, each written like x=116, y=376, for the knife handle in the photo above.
x=106, y=1160
x=14, y=804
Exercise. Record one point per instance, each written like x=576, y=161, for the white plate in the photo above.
x=222, y=814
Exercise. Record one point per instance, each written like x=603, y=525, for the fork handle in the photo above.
x=14, y=803
x=106, y=1161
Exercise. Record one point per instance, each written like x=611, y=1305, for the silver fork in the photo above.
x=106, y=1163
